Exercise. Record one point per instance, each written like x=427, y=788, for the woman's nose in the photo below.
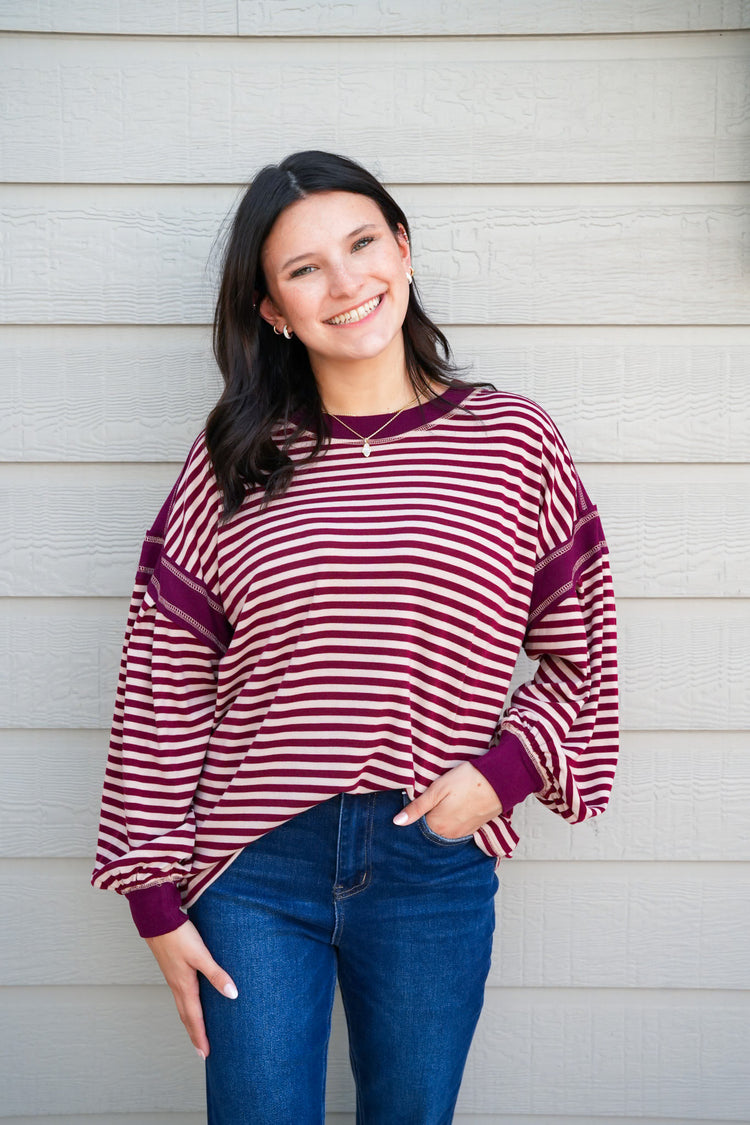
x=343, y=280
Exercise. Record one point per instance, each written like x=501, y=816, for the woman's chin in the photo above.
x=370, y=345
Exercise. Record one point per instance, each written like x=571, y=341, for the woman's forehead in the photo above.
x=330, y=214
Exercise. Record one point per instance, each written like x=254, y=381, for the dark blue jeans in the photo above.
x=402, y=917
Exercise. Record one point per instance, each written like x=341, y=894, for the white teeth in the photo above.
x=355, y=314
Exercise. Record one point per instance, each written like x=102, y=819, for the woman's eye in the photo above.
x=304, y=270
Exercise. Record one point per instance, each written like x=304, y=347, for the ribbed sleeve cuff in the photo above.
x=156, y=910
x=509, y=770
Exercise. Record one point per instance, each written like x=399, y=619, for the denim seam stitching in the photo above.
x=366, y=875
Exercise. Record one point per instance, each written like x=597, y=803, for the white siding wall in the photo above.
x=576, y=172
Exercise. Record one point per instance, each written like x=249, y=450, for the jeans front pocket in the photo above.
x=436, y=838
x=430, y=834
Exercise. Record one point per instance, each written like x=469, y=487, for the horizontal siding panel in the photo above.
x=167, y=1119
x=678, y=796
x=125, y=393
x=487, y=17
x=125, y=17
x=643, y=1053
x=76, y=530
x=617, y=263
x=50, y=799
x=142, y=393
x=621, y=926
x=182, y=110
x=129, y=1054
x=558, y=925
x=607, y=1052
x=683, y=663
x=158, y=1119
x=397, y=17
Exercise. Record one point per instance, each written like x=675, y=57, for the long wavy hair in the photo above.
x=268, y=378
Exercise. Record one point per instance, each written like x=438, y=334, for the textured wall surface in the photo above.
x=576, y=172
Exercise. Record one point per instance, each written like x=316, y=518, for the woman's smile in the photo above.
x=355, y=316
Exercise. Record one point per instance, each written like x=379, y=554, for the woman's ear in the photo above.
x=268, y=311
x=402, y=239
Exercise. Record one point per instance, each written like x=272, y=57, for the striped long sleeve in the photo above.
x=559, y=732
x=164, y=711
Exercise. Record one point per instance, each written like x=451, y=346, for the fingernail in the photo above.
x=230, y=991
x=201, y=1053
x=401, y=818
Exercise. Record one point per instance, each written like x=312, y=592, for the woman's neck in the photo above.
x=379, y=385
x=367, y=405
x=378, y=394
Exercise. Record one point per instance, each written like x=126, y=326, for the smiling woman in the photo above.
x=345, y=297
x=315, y=750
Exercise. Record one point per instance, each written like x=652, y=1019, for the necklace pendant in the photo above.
x=366, y=448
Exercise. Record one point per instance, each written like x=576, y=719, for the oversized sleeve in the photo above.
x=558, y=736
x=175, y=635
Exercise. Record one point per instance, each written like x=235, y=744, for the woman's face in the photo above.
x=337, y=276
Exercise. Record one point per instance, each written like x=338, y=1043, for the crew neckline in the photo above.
x=410, y=419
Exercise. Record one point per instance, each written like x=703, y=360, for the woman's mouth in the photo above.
x=354, y=316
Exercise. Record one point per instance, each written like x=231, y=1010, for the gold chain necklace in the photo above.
x=366, y=447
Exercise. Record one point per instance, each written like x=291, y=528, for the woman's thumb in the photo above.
x=221, y=980
x=416, y=808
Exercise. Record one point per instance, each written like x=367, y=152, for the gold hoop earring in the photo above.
x=275, y=330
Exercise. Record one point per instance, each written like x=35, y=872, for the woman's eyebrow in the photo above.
x=309, y=254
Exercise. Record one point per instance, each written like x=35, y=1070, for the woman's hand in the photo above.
x=462, y=799
x=181, y=955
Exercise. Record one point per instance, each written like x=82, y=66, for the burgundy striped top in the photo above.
x=360, y=634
